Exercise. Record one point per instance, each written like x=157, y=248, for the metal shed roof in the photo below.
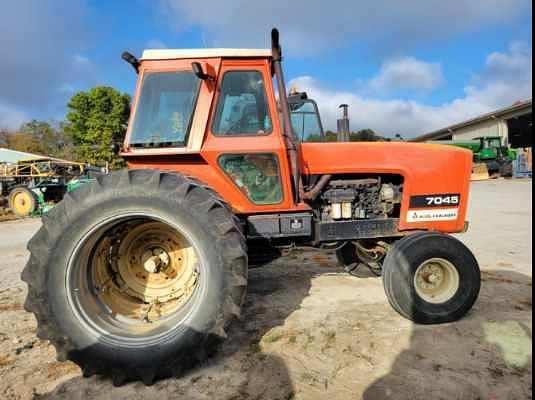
x=522, y=107
x=12, y=156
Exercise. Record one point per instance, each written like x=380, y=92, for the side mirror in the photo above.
x=199, y=72
x=132, y=60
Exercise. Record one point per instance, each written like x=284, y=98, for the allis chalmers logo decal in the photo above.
x=434, y=207
x=444, y=214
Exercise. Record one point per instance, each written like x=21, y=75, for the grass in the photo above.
x=330, y=340
x=309, y=340
x=273, y=337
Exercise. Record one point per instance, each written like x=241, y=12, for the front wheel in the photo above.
x=137, y=276
x=22, y=201
x=431, y=278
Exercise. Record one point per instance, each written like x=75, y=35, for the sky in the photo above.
x=406, y=67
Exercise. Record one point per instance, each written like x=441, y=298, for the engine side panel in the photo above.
x=434, y=176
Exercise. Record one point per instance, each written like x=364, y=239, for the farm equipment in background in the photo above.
x=35, y=186
x=491, y=158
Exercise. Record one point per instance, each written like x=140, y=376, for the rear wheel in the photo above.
x=431, y=278
x=22, y=201
x=507, y=169
x=137, y=276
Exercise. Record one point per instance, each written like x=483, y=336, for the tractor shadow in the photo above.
x=487, y=355
x=240, y=369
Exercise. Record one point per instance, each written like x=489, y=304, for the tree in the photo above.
x=96, y=120
x=24, y=142
x=4, y=137
x=39, y=137
x=365, y=135
x=44, y=137
x=331, y=136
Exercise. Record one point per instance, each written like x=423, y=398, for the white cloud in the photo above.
x=81, y=60
x=310, y=26
x=506, y=78
x=407, y=73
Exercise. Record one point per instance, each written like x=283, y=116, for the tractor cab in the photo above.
x=491, y=148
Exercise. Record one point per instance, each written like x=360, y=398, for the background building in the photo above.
x=8, y=156
x=513, y=124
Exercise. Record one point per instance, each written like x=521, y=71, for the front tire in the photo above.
x=137, y=276
x=431, y=278
x=22, y=201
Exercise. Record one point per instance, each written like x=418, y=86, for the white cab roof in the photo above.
x=171, y=54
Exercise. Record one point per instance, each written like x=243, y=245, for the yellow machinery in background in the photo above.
x=29, y=183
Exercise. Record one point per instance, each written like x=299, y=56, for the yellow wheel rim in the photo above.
x=150, y=273
x=22, y=203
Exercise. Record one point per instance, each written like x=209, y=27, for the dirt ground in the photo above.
x=5, y=213
x=310, y=331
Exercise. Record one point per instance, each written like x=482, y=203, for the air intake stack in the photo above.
x=343, y=124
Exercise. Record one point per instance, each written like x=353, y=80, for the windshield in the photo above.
x=305, y=121
x=165, y=109
x=494, y=143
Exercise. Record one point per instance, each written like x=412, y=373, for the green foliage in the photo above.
x=331, y=136
x=97, y=119
x=364, y=135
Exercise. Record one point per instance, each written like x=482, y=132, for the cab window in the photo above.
x=242, y=108
x=165, y=109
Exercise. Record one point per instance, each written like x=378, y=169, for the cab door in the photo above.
x=244, y=143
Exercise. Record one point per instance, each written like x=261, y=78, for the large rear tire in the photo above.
x=137, y=276
x=431, y=278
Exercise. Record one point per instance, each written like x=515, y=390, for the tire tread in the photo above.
x=202, y=201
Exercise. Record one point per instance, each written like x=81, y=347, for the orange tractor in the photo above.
x=138, y=275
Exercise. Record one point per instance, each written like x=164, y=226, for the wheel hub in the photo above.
x=155, y=260
x=431, y=276
x=22, y=203
x=436, y=281
x=150, y=272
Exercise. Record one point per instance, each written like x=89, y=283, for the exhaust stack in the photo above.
x=343, y=124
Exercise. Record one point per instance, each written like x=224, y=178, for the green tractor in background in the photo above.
x=490, y=155
x=43, y=206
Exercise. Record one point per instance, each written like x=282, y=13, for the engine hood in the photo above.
x=426, y=169
x=384, y=157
